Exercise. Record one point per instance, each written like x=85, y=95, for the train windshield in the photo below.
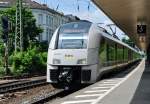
x=73, y=35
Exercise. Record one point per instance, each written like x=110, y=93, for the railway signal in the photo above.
x=5, y=30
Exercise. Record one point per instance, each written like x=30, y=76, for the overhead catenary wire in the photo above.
x=76, y=4
x=57, y=7
x=89, y=6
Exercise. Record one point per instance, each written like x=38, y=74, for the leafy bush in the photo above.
x=17, y=64
x=2, y=72
x=1, y=61
x=30, y=62
x=2, y=50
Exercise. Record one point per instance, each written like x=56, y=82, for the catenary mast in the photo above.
x=19, y=29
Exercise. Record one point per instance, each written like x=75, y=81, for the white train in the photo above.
x=80, y=51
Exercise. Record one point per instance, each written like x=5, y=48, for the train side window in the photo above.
x=119, y=54
x=102, y=53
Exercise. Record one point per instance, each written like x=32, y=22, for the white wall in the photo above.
x=49, y=22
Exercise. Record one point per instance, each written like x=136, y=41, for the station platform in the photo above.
x=134, y=88
x=142, y=94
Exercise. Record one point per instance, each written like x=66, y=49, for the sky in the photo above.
x=84, y=9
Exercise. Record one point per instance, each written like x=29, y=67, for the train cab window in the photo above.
x=73, y=35
x=72, y=41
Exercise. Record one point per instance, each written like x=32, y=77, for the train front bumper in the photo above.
x=80, y=74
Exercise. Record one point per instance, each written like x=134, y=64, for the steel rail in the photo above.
x=40, y=99
x=10, y=87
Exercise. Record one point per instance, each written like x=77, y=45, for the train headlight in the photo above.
x=56, y=61
x=81, y=61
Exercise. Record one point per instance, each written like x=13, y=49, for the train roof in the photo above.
x=108, y=35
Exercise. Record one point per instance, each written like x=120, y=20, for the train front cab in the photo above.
x=82, y=63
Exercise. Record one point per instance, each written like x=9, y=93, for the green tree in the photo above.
x=30, y=29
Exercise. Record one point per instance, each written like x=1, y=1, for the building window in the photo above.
x=53, y=23
x=47, y=33
x=47, y=20
x=50, y=34
x=61, y=21
x=40, y=19
x=50, y=20
x=58, y=22
x=40, y=37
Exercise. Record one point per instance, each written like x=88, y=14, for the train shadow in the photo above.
x=119, y=72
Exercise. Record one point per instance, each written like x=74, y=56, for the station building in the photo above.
x=47, y=18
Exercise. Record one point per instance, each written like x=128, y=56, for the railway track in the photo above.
x=49, y=96
x=7, y=83
x=19, y=77
x=46, y=96
x=20, y=85
x=41, y=99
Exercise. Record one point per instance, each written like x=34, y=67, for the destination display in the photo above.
x=141, y=29
x=82, y=27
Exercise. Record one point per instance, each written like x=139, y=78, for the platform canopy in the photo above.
x=127, y=14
